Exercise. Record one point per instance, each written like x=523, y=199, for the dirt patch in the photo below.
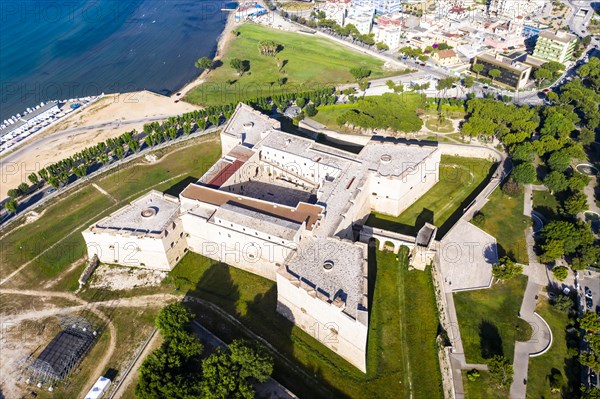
x=18, y=342
x=117, y=278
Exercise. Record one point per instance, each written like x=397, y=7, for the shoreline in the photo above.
x=222, y=44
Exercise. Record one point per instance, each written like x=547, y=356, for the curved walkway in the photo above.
x=541, y=340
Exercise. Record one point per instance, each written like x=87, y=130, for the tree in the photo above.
x=506, y=269
x=33, y=178
x=575, y=204
x=524, y=173
x=310, y=110
x=231, y=373
x=477, y=68
x=560, y=272
x=542, y=74
x=501, y=371
x=559, y=160
x=556, y=381
x=563, y=303
x=446, y=83
x=23, y=188
x=468, y=81
x=360, y=73
x=590, y=360
x=586, y=136
x=173, y=319
x=268, y=48
x=555, y=181
x=204, y=63
x=13, y=193
x=381, y=46
x=494, y=73
x=523, y=152
x=239, y=65
x=590, y=321
x=12, y=205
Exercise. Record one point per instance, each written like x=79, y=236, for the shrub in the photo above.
x=560, y=272
x=473, y=375
x=478, y=219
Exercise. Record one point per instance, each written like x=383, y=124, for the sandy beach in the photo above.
x=112, y=115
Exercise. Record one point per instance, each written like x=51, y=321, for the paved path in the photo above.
x=589, y=191
x=541, y=338
x=540, y=341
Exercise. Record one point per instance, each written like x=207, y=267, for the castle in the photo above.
x=287, y=208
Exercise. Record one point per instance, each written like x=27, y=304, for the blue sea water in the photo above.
x=72, y=48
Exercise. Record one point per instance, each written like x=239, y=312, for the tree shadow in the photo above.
x=456, y=215
x=178, y=187
x=258, y=318
x=489, y=340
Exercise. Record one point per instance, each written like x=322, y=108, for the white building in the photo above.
x=147, y=233
x=381, y=6
x=513, y=8
x=388, y=31
x=289, y=209
x=361, y=17
x=335, y=10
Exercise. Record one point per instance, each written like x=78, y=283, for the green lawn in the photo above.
x=403, y=326
x=311, y=62
x=483, y=387
x=546, y=204
x=556, y=359
x=489, y=322
x=57, y=221
x=73, y=213
x=504, y=220
x=328, y=115
x=460, y=181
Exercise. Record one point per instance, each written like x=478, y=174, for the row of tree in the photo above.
x=177, y=370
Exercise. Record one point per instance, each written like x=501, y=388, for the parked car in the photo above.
x=593, y=379
x=588, y=293
x=589, y=303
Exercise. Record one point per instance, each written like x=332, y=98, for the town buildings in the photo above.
x=287, y=208
x=555, y=46
x=513, y=72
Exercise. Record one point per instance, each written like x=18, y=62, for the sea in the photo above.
x=62, y=49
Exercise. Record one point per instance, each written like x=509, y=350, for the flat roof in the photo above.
x=258, y=220
x=344, y=279
x=559, y=36
x=151, y=213
x=249, y=124
x=515, y=66
x=302, y=213
x=393, y=157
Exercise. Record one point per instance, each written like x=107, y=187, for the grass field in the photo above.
x=546, y=204
x=65, y=219
x=460, y=181
x=483, y=387
x=489, y=322
x=403, y=327
x=504, y=220
x=434, y=125
x=556, y=359
x=311, y=61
